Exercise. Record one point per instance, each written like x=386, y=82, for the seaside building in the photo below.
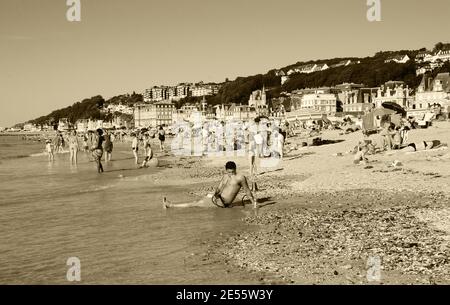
x=355, y=98
x=82, y=125
x=421, y=56
x=258, y=101
x=235, y=112
x=153, y=115
x=200, y=91
x=30, y=127
x=182, y=90
x=394, y=92
x=441, y=55
x=170, y=93
x=319, y=101
x=433, y=91
x=310, y=68
x=119, y=108
x=189, y=113
x=342, y=63
x=320, y=67
x=284, y=79
x=400, y=59
x=63, y=124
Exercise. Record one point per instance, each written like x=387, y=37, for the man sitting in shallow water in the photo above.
x=226, y=192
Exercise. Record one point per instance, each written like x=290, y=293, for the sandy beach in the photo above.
x=322, y=217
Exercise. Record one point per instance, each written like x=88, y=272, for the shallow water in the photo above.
x=50, y=211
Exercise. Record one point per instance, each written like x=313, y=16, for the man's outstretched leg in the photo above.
x=205, y=202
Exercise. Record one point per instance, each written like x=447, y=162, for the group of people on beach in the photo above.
x=98, y=142
x=394, y=137
x=144, y=139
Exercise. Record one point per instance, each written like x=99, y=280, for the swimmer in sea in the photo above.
x=225, y=193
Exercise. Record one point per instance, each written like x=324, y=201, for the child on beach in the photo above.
x=49, y=150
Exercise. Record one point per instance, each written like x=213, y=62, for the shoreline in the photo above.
x=323, y=189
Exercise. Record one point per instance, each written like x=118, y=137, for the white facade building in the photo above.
x=319, y=102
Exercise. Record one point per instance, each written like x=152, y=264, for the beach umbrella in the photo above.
x=395, y=107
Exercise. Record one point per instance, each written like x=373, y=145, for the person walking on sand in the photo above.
x=135, y=147
x=161, y=137
x=108, y=146
x=73, y=147
x=97, y=150
x=226, y=192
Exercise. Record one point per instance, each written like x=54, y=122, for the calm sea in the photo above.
x=50, y=211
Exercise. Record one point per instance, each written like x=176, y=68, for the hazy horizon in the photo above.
x=121, y=46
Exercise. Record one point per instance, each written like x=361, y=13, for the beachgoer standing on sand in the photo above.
x=135, y=147
x=226, y=192
x=73, y=147
x=278, y=143
x=97, y=150
x=108, y=146
x=49, y=150
x=161, y=137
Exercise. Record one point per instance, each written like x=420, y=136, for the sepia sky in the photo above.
x=121, y=46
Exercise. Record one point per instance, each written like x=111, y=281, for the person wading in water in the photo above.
x=97, y=150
